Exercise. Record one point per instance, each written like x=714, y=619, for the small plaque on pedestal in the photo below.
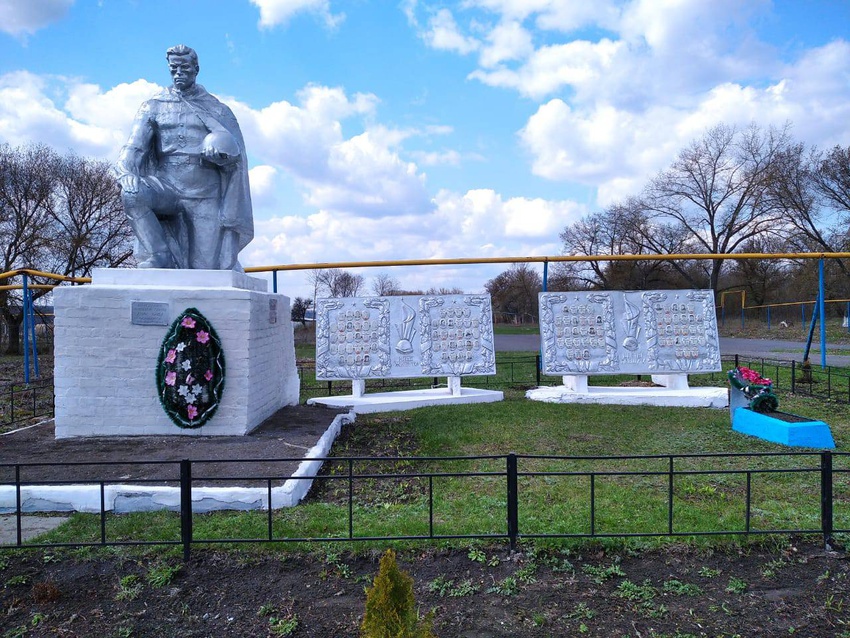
x=149, y=313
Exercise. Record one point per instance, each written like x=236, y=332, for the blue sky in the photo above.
x=387, y=129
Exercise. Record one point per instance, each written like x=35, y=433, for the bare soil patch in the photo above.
x=486, y=593
x=784, y=587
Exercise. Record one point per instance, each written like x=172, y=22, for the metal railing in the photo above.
x=508, y=474
x=21, y=403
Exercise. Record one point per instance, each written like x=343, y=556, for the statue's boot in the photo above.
x=148, y=230
x=157, y=260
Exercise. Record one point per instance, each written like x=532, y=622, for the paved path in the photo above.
x=31, y=526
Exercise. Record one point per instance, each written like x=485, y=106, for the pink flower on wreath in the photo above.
x=188, y=322
x=190, y=379
x=202, y=337
x=751, y=376
x=208, y=375
x=169, y=358
x=191, y=412
x=170, y=378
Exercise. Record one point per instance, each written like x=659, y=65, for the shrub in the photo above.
x=390, y=608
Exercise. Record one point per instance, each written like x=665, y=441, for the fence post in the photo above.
x=793, y=377
x=826, y=498
x=18, y=536
x=186, y=507
x=513, y=510
x=537, y=366
x=736, y=361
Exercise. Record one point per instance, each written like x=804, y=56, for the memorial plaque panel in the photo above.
x=403, y=337
x=149, y=313
x=634, y=332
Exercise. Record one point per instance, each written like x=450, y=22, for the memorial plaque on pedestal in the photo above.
x=633, y=332
x=404, y=337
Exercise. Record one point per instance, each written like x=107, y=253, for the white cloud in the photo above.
x=279, y=12
x=25, y=17
x=31, y=110
x=367, y=176
x=580, y=64
x=262, y=179
x=553, y=14
x=508, y=41
x=112, y=109
x=362, y=173
x=444, y=34
x=619, y=150
x=437, y=158
x=485, y=219
x=478, y=223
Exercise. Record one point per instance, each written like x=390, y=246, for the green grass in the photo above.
x=558, y=503
x=511, y=329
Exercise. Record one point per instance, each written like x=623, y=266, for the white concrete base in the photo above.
x=671, y=381
x=408, y=399
x=123, y=498
x=690, y=398
x=105, y=365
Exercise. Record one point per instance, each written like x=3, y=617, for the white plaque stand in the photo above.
x=576, y=383
x=362, y=402
x=671, y=381
x=105, y=361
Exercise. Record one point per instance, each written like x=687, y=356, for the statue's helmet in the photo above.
x=226, y=148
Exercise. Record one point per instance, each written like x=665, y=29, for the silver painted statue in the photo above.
x=184, y=176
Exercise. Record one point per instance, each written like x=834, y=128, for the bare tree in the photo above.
x=59, y=214
x=89, y=225
x=444, y=290
x=384, y=285
x=717, y=190
x=513, y=292
x=621, y=229
x=760, y=277
x=25, y=205
x=336, y=282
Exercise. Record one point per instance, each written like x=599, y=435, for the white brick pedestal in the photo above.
x=105, y=357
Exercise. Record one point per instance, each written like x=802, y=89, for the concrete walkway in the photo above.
x=31, y=526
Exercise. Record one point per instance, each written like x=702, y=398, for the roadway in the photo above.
x=729, y=346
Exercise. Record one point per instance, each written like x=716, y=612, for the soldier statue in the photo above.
x=184, y=177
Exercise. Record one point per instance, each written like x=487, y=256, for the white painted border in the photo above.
x=121, y=498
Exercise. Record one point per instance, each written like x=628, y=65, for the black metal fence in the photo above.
x=21, y=403
x=811, y=474
x=831, y=383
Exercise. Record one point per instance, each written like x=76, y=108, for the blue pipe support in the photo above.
x=26, y=331
x=34, y=343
